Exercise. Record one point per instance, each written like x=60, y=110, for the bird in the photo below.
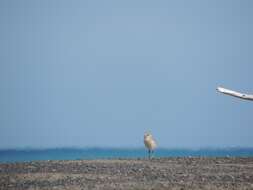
x=150, y=143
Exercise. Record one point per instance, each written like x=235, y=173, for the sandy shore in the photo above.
x=135, y=174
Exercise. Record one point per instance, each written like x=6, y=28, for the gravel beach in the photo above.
x=133, y=174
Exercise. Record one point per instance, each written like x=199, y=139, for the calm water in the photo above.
x=105, y=153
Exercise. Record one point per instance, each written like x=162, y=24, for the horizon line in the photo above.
x=124, y=148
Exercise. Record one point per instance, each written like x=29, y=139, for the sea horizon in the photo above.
x=11, y=155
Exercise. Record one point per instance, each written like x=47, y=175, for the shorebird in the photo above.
x=149, y=143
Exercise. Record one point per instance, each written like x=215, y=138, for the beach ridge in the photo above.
x=159, y=173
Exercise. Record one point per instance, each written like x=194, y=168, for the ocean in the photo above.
x=25, y=155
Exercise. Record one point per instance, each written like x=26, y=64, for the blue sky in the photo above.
x=101, y=73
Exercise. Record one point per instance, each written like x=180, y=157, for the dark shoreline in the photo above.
x=159, y=173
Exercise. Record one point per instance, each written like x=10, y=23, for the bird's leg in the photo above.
x=149, y=153
x=152, y=153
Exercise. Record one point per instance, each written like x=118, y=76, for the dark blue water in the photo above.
x=109, y=153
